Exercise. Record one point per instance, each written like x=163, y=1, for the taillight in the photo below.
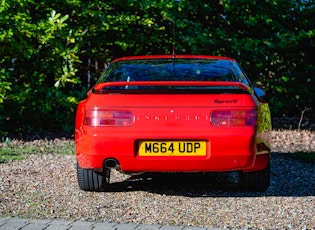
x=233, y=117
x=96, y=116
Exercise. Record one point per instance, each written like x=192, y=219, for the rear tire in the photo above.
x=258, y=181
x=90, y=180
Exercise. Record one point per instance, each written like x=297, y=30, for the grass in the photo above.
x=17, y=150
x=7, y=154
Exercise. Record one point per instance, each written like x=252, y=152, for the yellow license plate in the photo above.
x=172, y=148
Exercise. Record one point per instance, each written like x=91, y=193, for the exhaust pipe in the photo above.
x=111, y=163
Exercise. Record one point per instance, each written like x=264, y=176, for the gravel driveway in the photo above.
x=45, y=186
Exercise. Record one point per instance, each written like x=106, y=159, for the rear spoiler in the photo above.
x=102, y=86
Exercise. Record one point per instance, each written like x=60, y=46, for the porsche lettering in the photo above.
x=173, y=117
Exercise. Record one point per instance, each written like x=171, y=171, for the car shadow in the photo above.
x=289, y=177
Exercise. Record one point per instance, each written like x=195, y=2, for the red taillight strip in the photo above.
x=95, y=116
x=233, y=117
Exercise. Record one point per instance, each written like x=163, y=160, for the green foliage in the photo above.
x=305, y=156
x=52, y=51
x=38, y=56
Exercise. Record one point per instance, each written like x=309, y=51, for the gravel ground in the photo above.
x=45, y=186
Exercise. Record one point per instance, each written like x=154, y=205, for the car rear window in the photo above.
x=182, y=69
x=172, y=70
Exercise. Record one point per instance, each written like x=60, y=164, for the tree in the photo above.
x=48, y=47
x=37, y=53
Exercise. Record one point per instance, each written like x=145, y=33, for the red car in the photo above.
x=173, y=114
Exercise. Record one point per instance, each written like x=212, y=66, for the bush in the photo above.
x=52, y=51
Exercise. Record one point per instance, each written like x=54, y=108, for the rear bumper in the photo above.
x=224, y=153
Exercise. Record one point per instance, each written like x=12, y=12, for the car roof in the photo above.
x=146, y=57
